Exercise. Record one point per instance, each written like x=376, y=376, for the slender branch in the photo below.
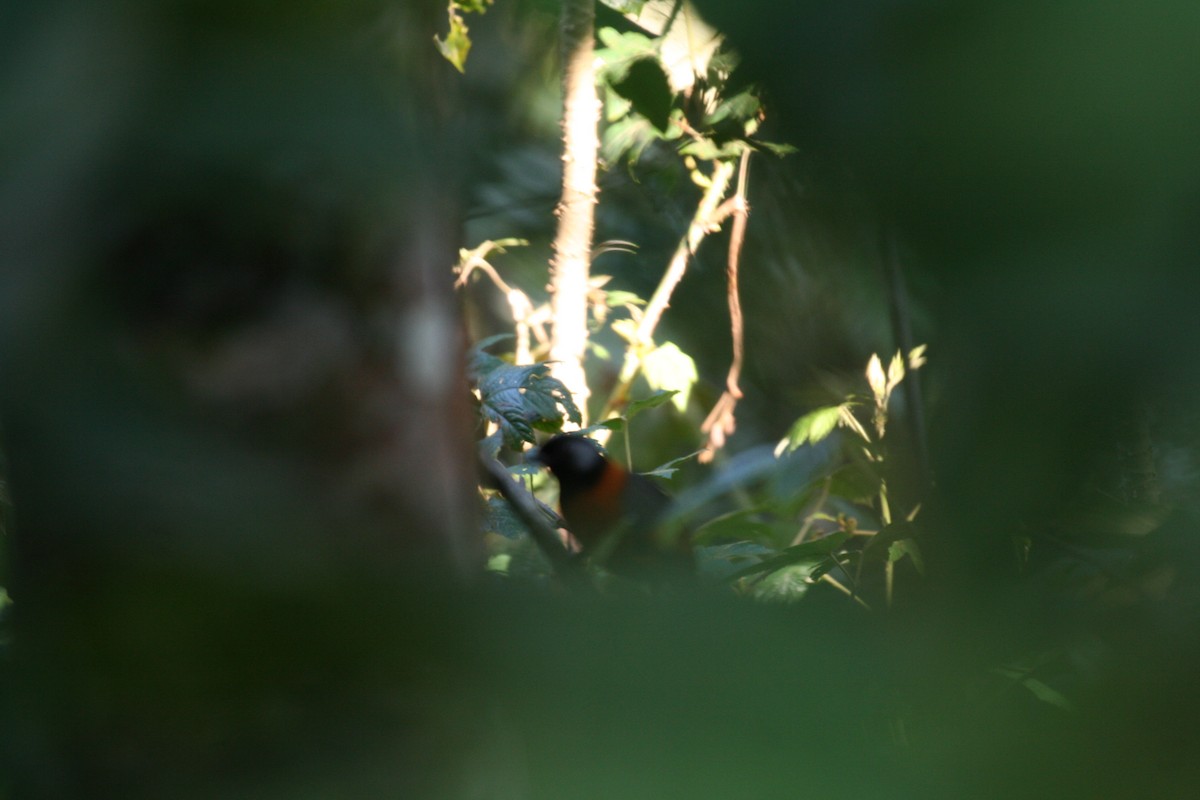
x=721, y=421
x=528, y=509
x=700, y=226
x=811, y=518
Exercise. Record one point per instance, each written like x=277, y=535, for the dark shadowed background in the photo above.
x=241, y=544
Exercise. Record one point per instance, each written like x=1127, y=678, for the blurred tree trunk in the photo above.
x=234, y=406
x=576, y=209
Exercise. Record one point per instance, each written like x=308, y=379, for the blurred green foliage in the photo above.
x=205, y=604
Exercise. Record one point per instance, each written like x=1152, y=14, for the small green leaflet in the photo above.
x=668, y=469
x=812, y=427
x=647, y=403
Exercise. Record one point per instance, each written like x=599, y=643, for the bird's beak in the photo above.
x=534, y=456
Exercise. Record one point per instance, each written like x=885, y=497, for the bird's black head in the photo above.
x=574, y=460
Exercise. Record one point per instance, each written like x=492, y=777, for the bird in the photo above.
x=614, y=514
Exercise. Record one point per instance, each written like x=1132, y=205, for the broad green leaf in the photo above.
x=519, y=399
x=627, y=139
x=645, y=85
x=668, y=367
x=621, y=52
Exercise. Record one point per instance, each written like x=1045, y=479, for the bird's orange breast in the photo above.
x=594, y=511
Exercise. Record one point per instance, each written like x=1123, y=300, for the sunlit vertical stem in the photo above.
x=576, y=209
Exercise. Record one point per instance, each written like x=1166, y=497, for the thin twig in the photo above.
x=526, y=506
x=701, y=225
x=721, y=421
x=808, y=521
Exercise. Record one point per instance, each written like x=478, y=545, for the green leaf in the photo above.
x=620, y=52
x=519, y=399
x=880, y=545
x=647, y=403
x=775, y=149
x=668, y=367
x=473, y=6
x=668, y=469
x=740, y=108
x=812, y=427
x=907, y=547
x=705, y=149
x=786, y=585
x=645, y=86
x=625, y=6
x=457, y=44
x=796, y=553
x=617, y=299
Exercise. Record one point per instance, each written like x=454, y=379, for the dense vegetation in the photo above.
x=895, y=300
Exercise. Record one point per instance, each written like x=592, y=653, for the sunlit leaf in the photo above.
x=621, y=52
x=875, y=377
x=626, y=329
x=847, y=418
x=617, y=299
x=667, y=367
x=457, y=44
x=895, y=372
x=812, y=427
x=786, y=585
